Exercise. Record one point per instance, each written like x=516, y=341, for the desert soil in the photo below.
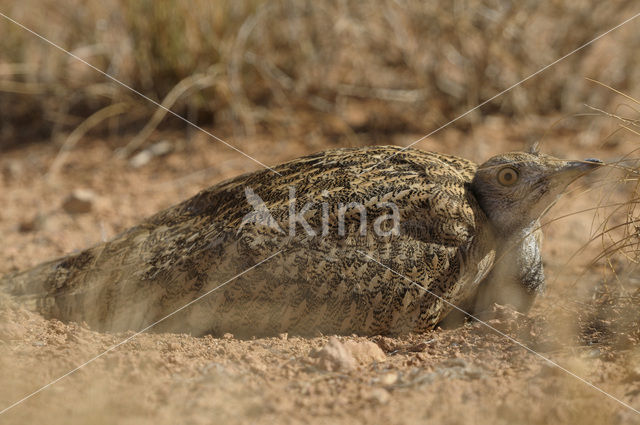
x=467, y=375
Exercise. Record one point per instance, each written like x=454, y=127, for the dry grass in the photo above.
x=345, y=69
x=611, y=317
x=337, y=72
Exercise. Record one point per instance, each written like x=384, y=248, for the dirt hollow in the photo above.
x=468, y=375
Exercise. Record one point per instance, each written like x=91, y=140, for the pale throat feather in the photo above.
x=518, y=274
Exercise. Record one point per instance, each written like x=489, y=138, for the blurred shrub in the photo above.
x=288, y=67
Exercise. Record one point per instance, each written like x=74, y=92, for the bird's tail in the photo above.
x=94, y=286
x=29, y=287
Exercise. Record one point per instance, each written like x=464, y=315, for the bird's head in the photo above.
x=516, y=189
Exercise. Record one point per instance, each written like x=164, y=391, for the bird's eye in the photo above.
x=507, y=176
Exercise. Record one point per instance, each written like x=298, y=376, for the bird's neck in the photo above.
x=517, y=275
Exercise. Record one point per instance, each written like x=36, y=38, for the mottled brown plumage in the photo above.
x=449, y=237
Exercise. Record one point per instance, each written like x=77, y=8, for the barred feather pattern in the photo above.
x=317, y=283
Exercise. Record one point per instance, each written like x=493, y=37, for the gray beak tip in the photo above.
x=585, y=165
x=594, y=161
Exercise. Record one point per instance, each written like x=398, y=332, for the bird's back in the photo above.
x=320, y=278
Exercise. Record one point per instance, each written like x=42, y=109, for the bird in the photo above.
x=368, y=240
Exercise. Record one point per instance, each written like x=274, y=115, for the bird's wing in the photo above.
x=181, y=252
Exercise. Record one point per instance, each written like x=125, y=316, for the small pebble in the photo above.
x=80, y=201
x=365, y=352
x=388, y=378
x=334, y=356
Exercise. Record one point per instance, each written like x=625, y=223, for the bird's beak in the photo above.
x=572, y=170
x=565, y=174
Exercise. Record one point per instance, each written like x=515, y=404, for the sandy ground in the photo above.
x=470, y=374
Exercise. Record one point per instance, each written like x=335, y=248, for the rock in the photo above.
x=365, y=352
x=30, y=224
x=334, y=356
x=140, y=159
x=388, y=378
x=80, y=201
x=158, y=149
x=161, y=148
